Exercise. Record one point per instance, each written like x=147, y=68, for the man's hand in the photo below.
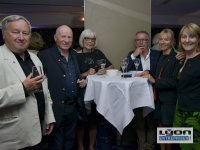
x=137, y=51
x=82, y=83
x=48, y=129
x=32, y=84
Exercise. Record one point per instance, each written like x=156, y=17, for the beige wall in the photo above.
x=115, y=23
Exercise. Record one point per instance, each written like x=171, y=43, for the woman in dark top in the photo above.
x=188, y=105
x=165, y=81
x=88, y=58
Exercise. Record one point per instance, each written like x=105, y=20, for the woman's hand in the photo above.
x=101, y=71
x=91, y=71
x=143, y=73
x=146, y=74
x=180, y=56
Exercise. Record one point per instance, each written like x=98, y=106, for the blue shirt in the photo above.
x=71, y=77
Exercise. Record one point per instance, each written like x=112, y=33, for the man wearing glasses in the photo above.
x=145, y=127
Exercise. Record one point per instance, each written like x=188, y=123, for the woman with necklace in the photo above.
x=88, y=58
x=188, y=105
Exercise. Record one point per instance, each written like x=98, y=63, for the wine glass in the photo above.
x=136, y=63
x=101, y=63
x=123, y=65
x=126, y=61
x=36, y=71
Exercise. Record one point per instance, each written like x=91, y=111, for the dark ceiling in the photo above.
x=46, y=12
x=175, y=12
x=55, y=12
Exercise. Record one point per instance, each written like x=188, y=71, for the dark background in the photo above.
x=48, y=34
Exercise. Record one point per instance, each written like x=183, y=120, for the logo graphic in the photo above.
x=174, y=135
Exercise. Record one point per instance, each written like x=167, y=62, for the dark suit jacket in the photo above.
x=154, y=55
x=166, y=84
x=56, y=78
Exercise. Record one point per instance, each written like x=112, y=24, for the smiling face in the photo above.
x=63, y=38
x=89, y=43
x=166, y=40
x=17, y=36
x=87, y=40
x=188, y=41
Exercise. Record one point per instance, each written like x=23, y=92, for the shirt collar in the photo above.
x=148, y=55
x=59, y=51
x=26, y=55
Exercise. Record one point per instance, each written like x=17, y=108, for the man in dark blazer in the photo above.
x=62, y=71
x=145, y=127
x=142, y=52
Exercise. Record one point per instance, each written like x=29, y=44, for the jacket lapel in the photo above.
x=171, y=55
x=166, y=61
x=55, y=54
x=12, y=61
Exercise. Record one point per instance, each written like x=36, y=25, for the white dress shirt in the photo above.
x=145, y=61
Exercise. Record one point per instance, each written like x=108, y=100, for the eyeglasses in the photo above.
x=141, y=40
x=89, y=39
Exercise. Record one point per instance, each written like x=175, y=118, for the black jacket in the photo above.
x=56, y=78
x=166, y=78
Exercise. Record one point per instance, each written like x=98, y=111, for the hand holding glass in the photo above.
x=101, y=64
x=36, y=71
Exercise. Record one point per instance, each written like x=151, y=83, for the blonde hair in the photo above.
x=36, y=41
x=170, y=33
x=155, y=39
x=194, y=30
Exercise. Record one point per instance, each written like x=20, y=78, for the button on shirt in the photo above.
x=71, y=77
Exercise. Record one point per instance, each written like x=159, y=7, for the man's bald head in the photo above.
x=63, y=37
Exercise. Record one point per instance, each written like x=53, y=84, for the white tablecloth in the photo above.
x=116, y=97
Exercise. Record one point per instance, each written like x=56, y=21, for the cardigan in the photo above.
x=189, y=86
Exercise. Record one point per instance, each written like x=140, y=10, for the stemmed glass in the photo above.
x=136, y=63
x=124, y=64
x=36, y=71
x=101, y=63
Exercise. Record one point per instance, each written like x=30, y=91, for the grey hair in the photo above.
x=12, y=18
x=155, y=39
x=89, y=34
